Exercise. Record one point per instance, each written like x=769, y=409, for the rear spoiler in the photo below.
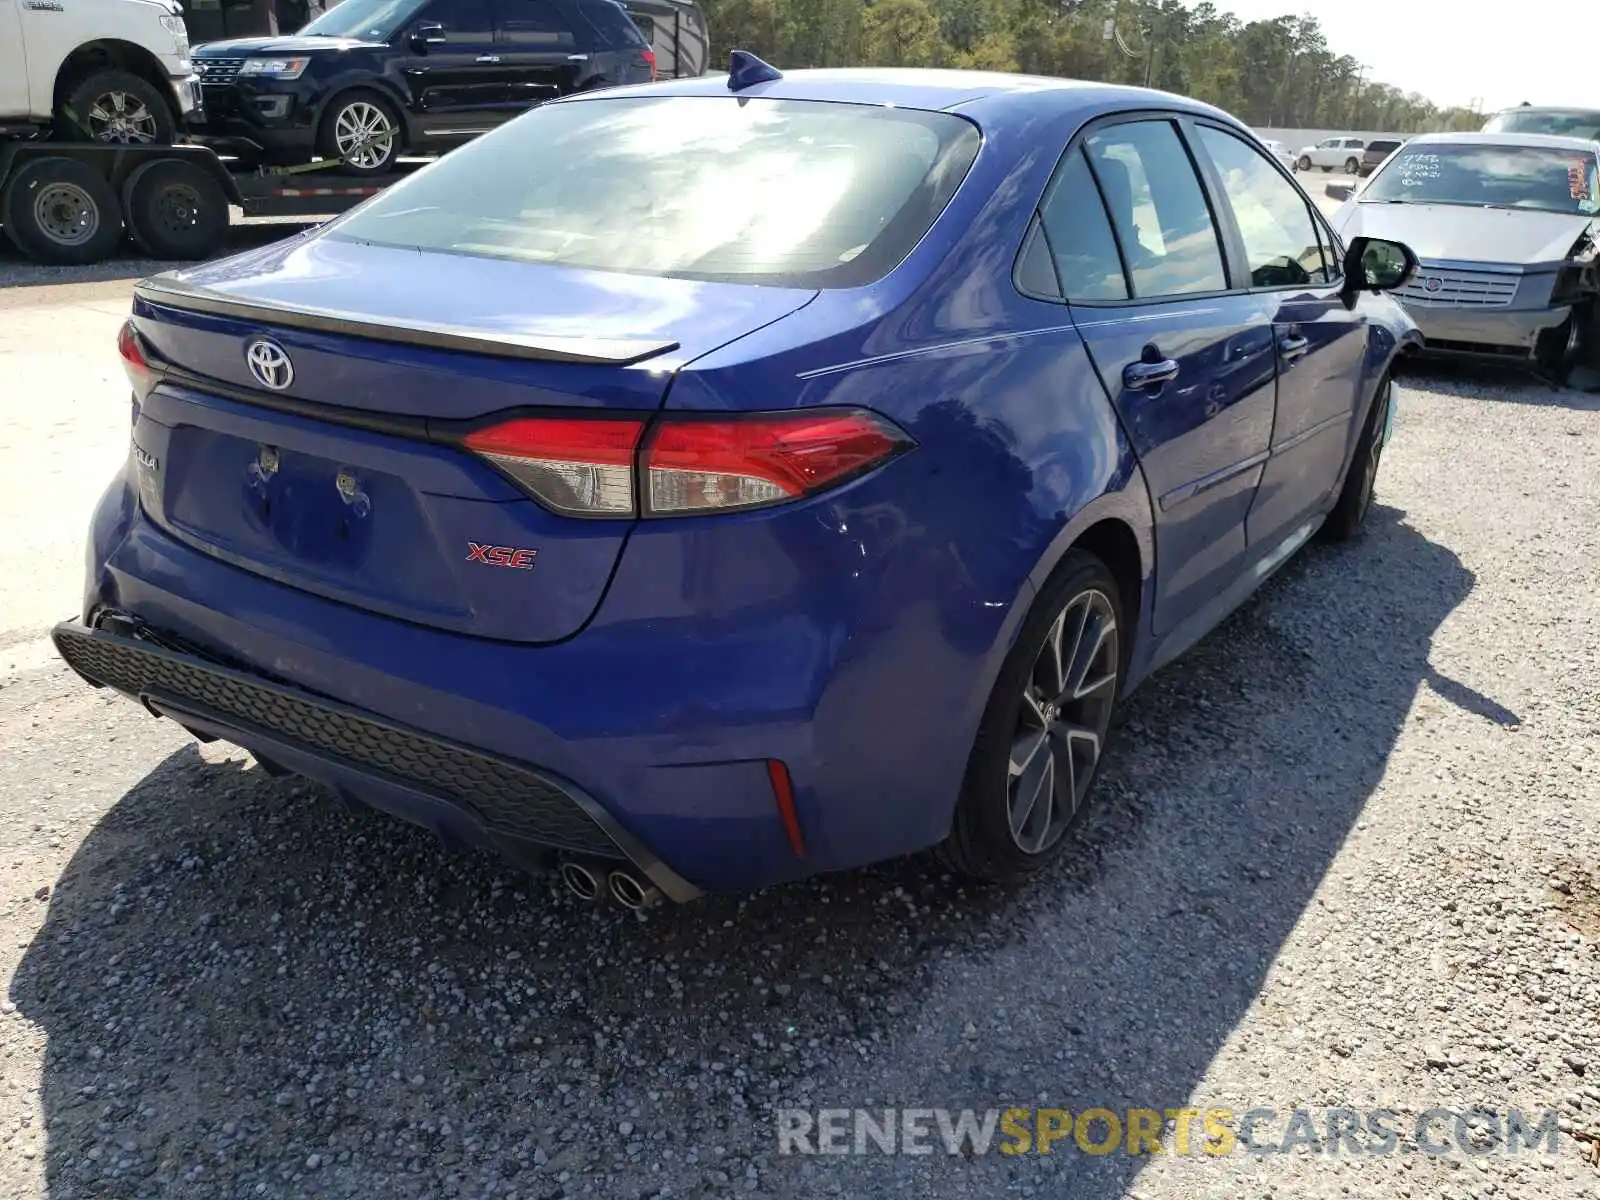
x=167, y=292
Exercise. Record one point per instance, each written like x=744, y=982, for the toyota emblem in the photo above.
x=269, y=364
x=1433, y=283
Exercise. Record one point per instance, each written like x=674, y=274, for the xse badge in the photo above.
x=501, y=556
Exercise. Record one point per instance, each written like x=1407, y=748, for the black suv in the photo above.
x=369, y=79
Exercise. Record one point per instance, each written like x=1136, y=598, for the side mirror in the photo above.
x=429, y=33
x=1340, y=191
x=1376, y=265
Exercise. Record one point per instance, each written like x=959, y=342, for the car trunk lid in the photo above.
x=335, y=466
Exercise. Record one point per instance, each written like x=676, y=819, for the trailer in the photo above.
x=69, y=203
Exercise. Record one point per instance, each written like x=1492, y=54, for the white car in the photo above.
x=1281, y=152
x=102, y=70
x=1341, y=153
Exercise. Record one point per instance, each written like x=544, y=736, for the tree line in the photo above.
x=1277, y=73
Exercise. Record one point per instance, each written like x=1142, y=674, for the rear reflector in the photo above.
x=584, y=466
x=783, y=794
x=580, y=466
x=750, y=462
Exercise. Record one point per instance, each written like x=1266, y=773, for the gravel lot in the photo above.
x=1347, y=852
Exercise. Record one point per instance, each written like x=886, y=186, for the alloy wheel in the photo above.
x=363, y=135
x=1066, y=709
x=121, y=118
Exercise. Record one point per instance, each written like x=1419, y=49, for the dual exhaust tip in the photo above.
x=626, y=888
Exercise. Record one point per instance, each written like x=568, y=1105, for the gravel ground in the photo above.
x=1347, y=852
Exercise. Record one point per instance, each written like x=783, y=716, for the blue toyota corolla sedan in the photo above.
x=706, y=484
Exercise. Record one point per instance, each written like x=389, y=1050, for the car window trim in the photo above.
x=1174, y=117
x=1036, y=233
x=1213, y=178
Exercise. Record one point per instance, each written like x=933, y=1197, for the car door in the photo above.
x=458, y=85
x=1186, y=360
x=539, y=41
x=1320, y=342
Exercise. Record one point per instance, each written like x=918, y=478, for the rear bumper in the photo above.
x=460, y=793
x=664, y=717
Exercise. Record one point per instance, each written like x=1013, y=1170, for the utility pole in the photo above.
x=1355, y=103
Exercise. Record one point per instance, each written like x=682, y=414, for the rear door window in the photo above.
x=1164, y=226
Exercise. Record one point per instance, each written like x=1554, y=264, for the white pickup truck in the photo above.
x=95, y=70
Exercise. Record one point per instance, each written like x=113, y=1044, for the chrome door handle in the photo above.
x=1138, y=376
x=1293, y=346
x=488, y=58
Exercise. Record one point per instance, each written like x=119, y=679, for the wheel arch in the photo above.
x=1118, y=528
x=109, y=54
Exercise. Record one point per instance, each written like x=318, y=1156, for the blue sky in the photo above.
x=1499, y=52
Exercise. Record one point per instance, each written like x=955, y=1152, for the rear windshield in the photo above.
x=784, y=192
x=1532, y=177
x=1584, y=123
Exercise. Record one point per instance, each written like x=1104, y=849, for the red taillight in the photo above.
x=748, y=462
x=649, y=57
x=140, y=373
x=576, y=465
x=584, y=466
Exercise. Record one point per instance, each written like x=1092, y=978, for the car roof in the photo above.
x=975, y=93
x=1549, y=141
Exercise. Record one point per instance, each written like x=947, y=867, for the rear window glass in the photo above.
x=784, y=192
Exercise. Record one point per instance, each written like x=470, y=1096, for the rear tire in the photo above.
x=1351, y=166
x=175, y=210
x=363, y=130
x=1043, y=732
x=1304, y=164
x=62, y=213
x=1361, y=481
x=116, y=107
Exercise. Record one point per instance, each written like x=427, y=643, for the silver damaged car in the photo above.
x=1507, y=227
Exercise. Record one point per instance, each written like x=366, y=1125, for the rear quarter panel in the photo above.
x=937, y=555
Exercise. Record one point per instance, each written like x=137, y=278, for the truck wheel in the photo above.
x=175, y=209
x=363, y=130
x=61, y=212
x=117, y=106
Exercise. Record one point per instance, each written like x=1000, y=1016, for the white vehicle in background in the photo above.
x=1282, y=153
x=1341, y=153
x=95, y=70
